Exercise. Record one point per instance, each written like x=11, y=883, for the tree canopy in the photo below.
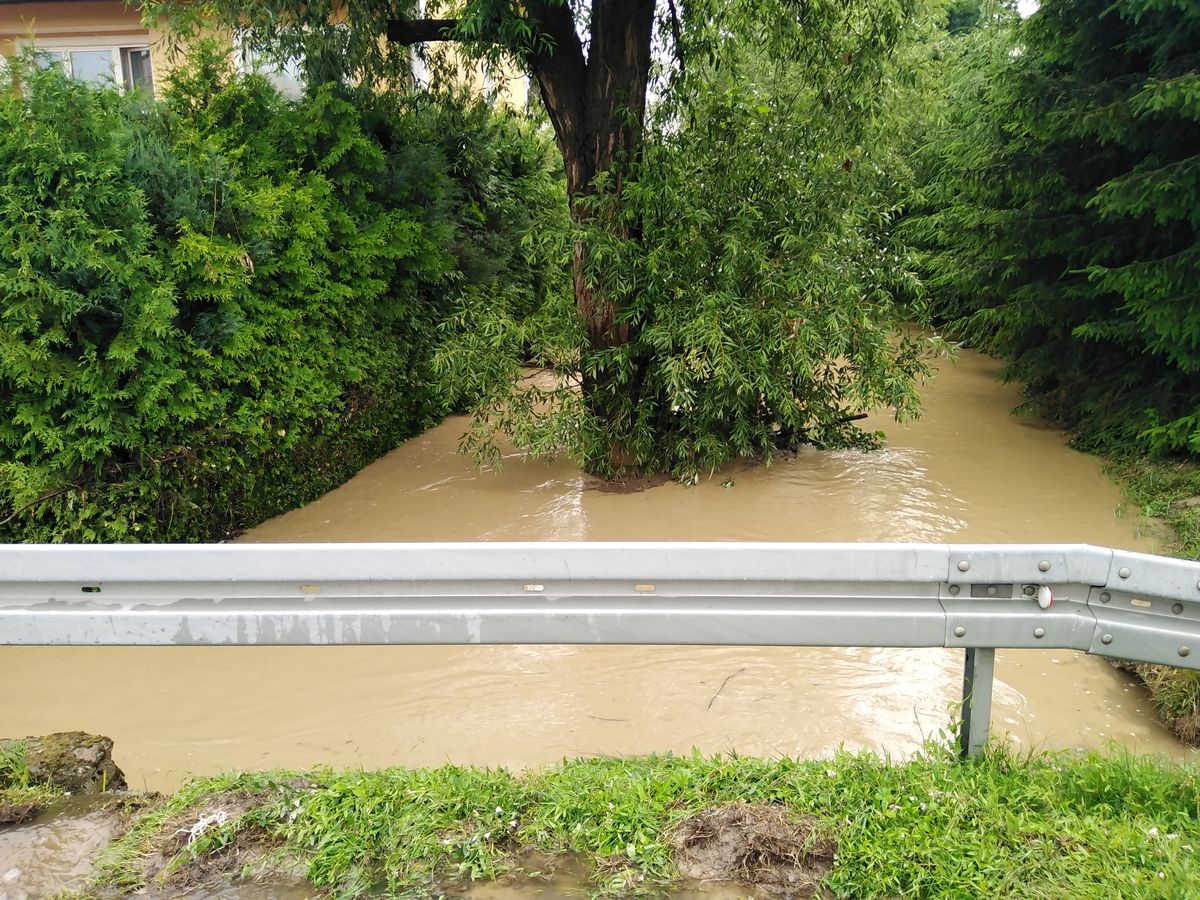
x=1060, y=213
x=733, y=279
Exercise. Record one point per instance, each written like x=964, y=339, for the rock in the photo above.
x=75, y=761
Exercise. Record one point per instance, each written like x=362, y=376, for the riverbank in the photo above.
x=855, y=825
x=967, y=472
x=1170, y=493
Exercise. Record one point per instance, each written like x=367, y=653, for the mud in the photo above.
x=767, y=847
x=16, y=813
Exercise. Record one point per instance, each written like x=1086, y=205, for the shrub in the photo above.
x=217, y=307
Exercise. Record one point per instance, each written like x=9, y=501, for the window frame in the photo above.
x=115, y=45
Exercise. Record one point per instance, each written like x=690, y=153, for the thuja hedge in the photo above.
x=215, y=307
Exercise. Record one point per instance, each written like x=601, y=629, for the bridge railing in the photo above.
x=975, y=597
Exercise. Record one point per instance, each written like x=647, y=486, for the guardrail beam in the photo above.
x=975, y=597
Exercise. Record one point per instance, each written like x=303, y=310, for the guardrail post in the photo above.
x=976, y=701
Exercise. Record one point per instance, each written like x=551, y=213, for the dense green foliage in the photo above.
x=1061, y=212
x=734, y=289
x=1059, y=217
x=749, y=258
x=218, y=307
x=1052, y=826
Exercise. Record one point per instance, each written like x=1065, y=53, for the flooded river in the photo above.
x=967, y=471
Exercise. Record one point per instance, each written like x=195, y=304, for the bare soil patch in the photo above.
x=764, y=846
x=246, y=846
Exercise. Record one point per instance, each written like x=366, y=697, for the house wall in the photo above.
x=109, y=21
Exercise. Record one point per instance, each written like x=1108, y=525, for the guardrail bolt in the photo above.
x=1124, y=571
x=1105, y=597
x=1185, y=651
x=1044, y=565
x=954, y=589
x=1106, y=639
x=959, y=631
x=1039, y=632
x=1177, y=608
x=963, y=565
x=991, y=590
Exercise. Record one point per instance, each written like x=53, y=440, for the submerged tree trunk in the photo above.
x=597, y=108
x=596, y=102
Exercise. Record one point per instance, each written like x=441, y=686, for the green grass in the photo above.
x=1170, y=492
x=17, y=788
x=1045, y=826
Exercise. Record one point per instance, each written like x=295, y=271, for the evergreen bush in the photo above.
x=217, y=307
x=1060, y=213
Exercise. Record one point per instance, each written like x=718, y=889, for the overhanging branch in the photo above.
x=675, y=32
x=420, y=31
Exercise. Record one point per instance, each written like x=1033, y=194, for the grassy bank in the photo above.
x=21, y=797
x=1048, y=826
x=1169, y=492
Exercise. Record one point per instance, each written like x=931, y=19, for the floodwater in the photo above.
x=54, y=852
x=967, y=471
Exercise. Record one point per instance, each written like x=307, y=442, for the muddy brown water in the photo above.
x=54, y=852
x=967, y=471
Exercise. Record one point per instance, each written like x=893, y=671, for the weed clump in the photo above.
x=21, y=796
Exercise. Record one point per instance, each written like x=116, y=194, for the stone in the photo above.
x=75, y=761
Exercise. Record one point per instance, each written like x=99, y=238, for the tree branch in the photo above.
x=420, y=31
x=32, y=503
x=555, y=58
x=561, y=71
x=675, y=31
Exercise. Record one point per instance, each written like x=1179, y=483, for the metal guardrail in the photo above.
x=976, y=597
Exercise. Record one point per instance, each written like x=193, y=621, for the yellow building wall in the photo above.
x=505, y=82
x=109, y=21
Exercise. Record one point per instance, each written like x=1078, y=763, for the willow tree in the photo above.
x=818, y=343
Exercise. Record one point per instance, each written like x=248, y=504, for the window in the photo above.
x=128, y=66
